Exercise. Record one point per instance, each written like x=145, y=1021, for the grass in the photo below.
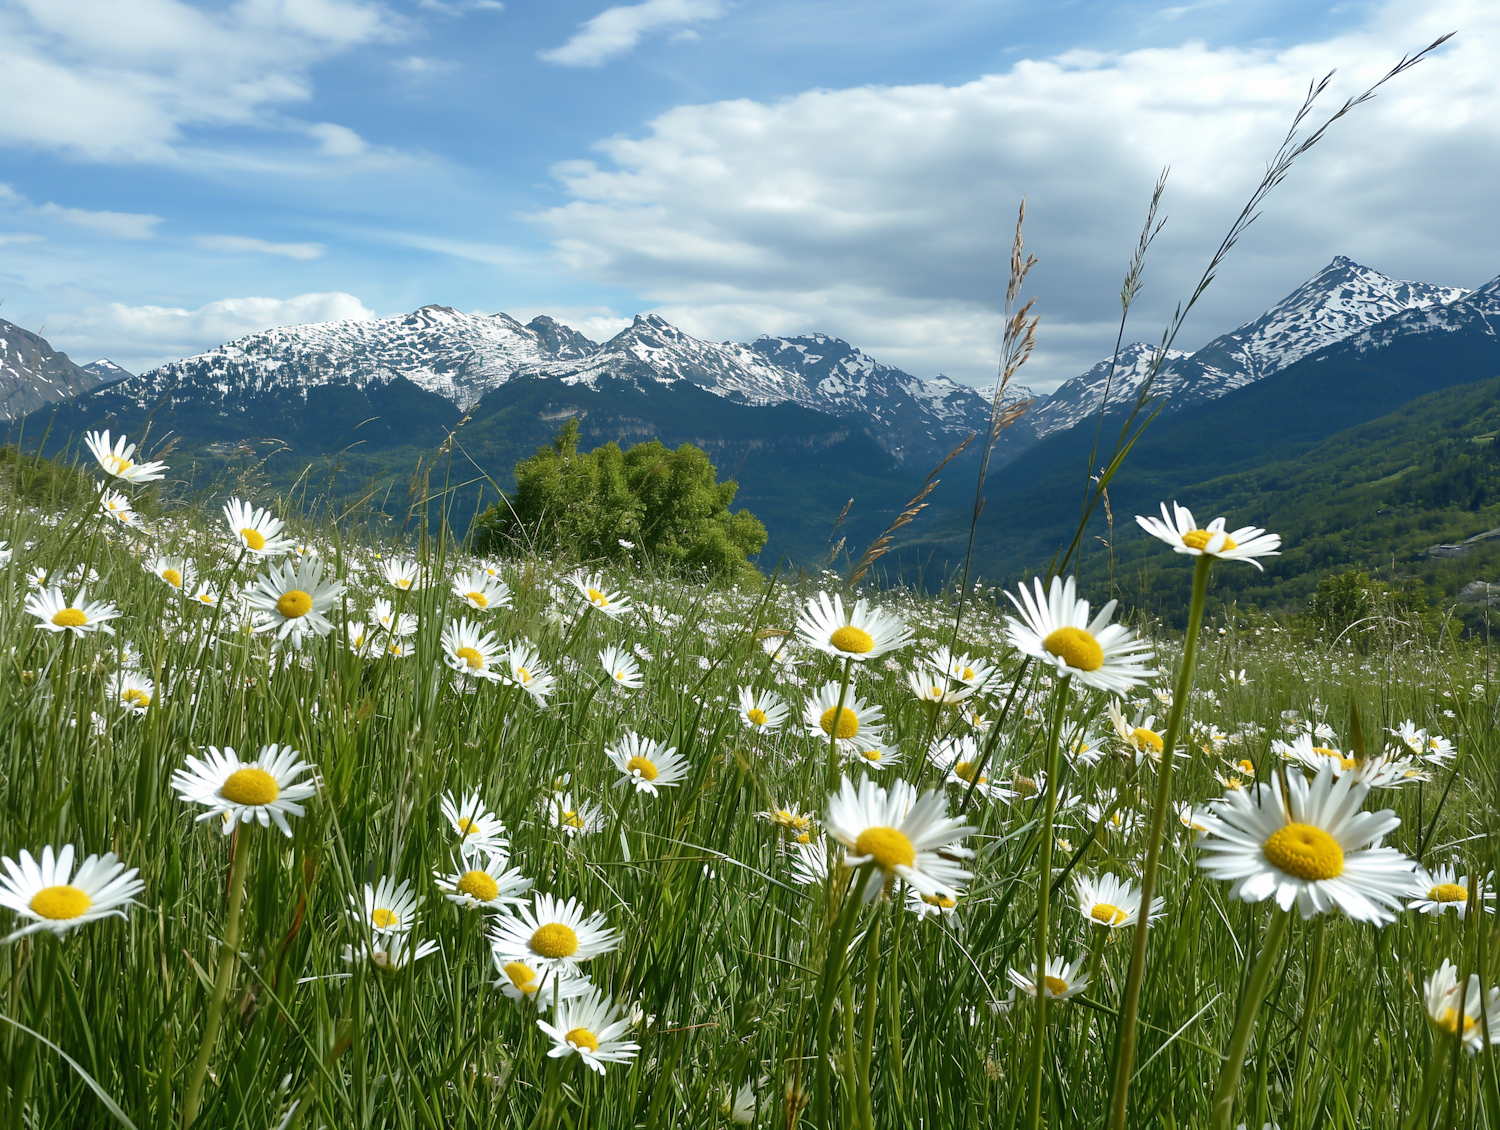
x=722, y=951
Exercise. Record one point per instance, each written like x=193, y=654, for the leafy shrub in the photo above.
x=667, y=503
x=1355, y=606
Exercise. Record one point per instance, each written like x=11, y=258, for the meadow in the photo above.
x=415, y=839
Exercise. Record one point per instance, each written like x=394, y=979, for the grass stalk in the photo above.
x=1222, y=1113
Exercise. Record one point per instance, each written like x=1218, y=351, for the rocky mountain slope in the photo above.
x=34, y=375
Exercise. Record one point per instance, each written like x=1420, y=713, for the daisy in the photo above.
x=865, y=633
x=1079, y=746
x=1184, y=535
x=382, y=616
x=572, y=819
x=118, y=460
x=1112, y=902
x=1311, y=846
x=55, y=899
x=798, y=824
x=930, y=906
x=1060, y=979
x=389, y=952
x=470, y=650
x=854, y=727
x=1443, y=999
x=905, y=837
x=403, y=574
x=930, y=684
x=255, y=529
x=263, y=790
x=117, y=506
x=479, y=590
x=1439, y=750
x=521, y=667
x=477, y=828
x=959, y=758
x=591, y=588
x=387, y=907
x=551, y=934
x=173, y=570
x=81, y=617
x=810, y=862
x=491, y=887
x=542, y=987
x=131, y=690
x=762, y=710
x=1056, y=629
x=973, y=673
x=361, y=637
x=206, y=594
x=621, y=667
x=1444, y=889
x=293, y=600
x=1140, y=736
x=591, y=1027
x=646, y=764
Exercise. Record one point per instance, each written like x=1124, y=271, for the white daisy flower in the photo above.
x=263, y=790
x=117, y=506
x=1311, y=846
x=1112, y=902
x=387, y=908
x=174, y=571
x=762, y=711
x=481, y=591
x=574, y=819
x=206, y=594
x=974, y=673
x=591, y=1027
x=1439, y=750
x=361, y=637
x=477, y=828
x=521, y=666
x=931, y=684
x=472, y=651
x=621, y=667
x=255, y=529
x=810, y=861
x=1055, y=628
x=389, y=953
x=491, y=887
x=930, y=906
x=1313, y=757
x=1060, y=980
x=1184, y=535
x=798, y=824
x=646, y=764
x=591, y=588
x=131, y=690
x=959, y=758
x=382, y=616
x=55, y=899
x=1445, y=889
x=864, y=633
x=403, y=574
x=1139, y=736
x=80, y=617
x=542, y=987
x=119, y=459
x=294, y=600
x=1458, y=1012
x=855, y=727
x=552, y=934
x=905, y=837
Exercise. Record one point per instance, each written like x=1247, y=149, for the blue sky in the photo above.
x=175, y=174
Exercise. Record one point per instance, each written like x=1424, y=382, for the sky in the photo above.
x=174, y=175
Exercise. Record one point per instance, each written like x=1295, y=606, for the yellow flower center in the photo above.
x=70, y=618
x=523, y=675
x=384, y=917
x=60, y=903
x=172, y=577
x=1076, y=648
x=942, y=901
x=479, y=885
x=403, y=582
x=554, y=940
x=583, y=1038
x=1305, y=851
x=1107, y=914
x=206, y=597
x=478, y=598
x=1055, y=985
x=887, y=847
x=135, y=697
x=572, y=819
x=1144, y=739
x=1449, y=1022
x=756, y=715
x=966, y=771
x=848, y=723
x=597, y=598
x=470, y=656
x=855, y=641
x=1197, y=539
x=116, y=465
x=294, y=603
x=968, y=674
x=1247, y=766
x=521, y=975
x=1449, y=892
x=253, y=538
x=467, y=827
x=643, y=767
x=870, y=754
x=250, y=786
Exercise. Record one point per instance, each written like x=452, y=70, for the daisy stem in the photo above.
x=546, y=1114
x=867, y=1037
x=1044, y=897
x=833, y=731
x=46, y=952
x=1309, y=1006
x=1130, y=1001
x=1244, y=1021
x=1437, y=1062
x=228, y=951
x=1100, y=933
x=833, y=973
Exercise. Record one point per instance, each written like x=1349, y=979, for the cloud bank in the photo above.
x=616, y=31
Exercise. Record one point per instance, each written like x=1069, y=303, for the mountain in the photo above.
x=107, y=371
x=33, y=374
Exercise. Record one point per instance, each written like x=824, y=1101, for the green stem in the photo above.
x=228, y=951
x=1101, y=935
x=1130, y=1002
x=1244, y=1020
x=867, y=1044
x=1044, y=898
x=1309, y=1010
x=833, y=731
x=546, y=1114
x=45, y=966
x=833, y=972
x=1431, y=1079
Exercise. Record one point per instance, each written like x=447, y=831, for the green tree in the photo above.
x=668, y=503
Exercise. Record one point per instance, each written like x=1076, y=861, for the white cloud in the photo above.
x=463, y=7
x=139, y=337
x=884, y=213
x=122, y=82
x=418, y=67
x=336, y=140
x=115, y=225
x=236, y=244
x=617, y=30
